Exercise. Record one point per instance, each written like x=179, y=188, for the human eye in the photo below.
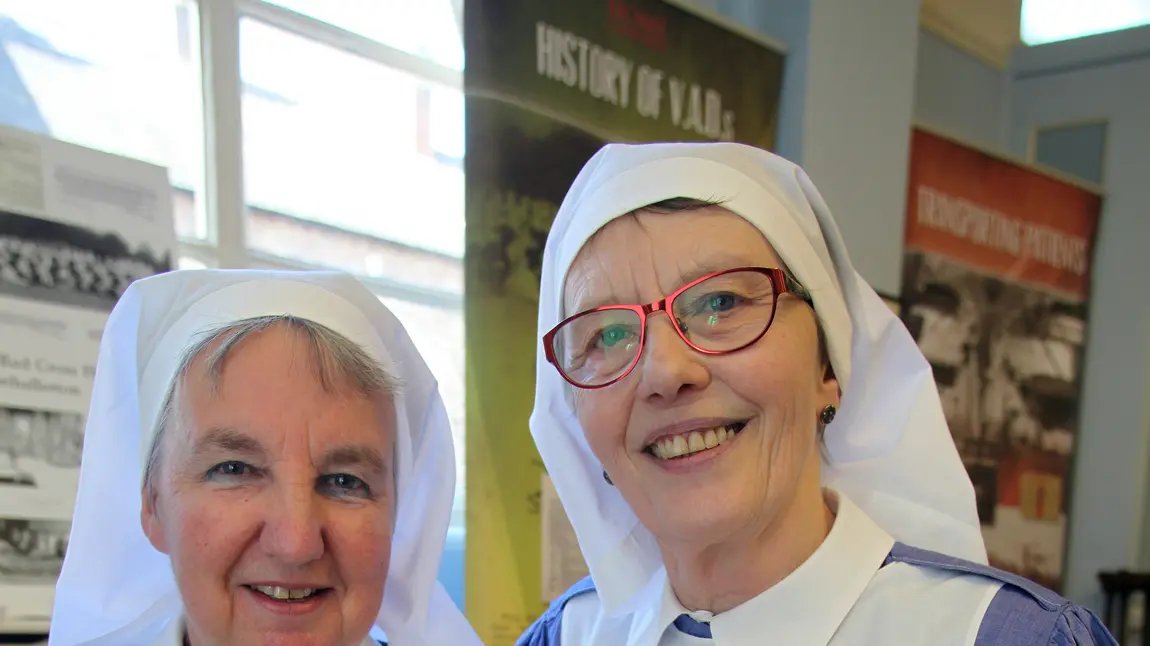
x=605, y=339
x=715, y=303
x=343, y=485
x=231, y=471
x=611, y=336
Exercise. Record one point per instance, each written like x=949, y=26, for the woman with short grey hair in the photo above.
x=267, y=460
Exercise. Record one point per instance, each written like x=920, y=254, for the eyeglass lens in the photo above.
x=721, y=314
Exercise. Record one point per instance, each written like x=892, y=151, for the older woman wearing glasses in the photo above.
x=748, y=443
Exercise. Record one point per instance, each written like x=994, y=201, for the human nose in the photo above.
x=669, y=366
x=293, y=528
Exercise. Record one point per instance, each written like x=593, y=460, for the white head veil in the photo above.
x=890, y=450
x=115, y=588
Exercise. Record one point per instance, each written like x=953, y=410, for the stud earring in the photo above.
x=607, y=478
x=828, y=414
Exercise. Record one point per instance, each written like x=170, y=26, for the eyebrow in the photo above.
x=709, y=265
x=234, y=441
x=355, y=455
x=229, y=440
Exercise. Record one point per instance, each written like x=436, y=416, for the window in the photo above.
x=1046, y=21
x=1077, y=149
x=334, y=170
x=428, y=29
x=119, y=76
x=353, y=142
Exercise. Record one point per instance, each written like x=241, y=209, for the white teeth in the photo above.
x=284, y=594
x=695, y=442
x=675, y=446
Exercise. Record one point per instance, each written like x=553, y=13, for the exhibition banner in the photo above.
x=547, y=84
x=996, y=288
x=76, y=228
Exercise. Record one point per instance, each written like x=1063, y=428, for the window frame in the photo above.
x=223, y=199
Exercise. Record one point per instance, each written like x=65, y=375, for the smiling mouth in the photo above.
x=289, y=595
x=683, y=445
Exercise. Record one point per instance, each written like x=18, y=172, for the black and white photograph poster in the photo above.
x=77, y=227
x=996, y=289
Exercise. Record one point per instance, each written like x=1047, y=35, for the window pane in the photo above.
x=121, y=76
x=1075, y=149
x=350, y=164
x=1046, y=21
x=430, y=29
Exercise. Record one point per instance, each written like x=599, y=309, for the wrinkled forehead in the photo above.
x=674, y=243
x=273, y=379
x=287, y=347
x=765, y=197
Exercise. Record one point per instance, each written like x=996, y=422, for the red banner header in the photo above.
x=999, y=216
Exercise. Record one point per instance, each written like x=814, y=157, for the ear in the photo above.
x=829, y=390
x=150, y=519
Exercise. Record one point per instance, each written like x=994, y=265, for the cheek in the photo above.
x=603, y=415
x=360, y=542
x=783, y=388
x=207, y=537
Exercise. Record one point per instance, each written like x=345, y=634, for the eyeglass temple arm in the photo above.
x=793, y=286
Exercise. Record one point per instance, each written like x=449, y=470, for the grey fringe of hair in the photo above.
x=334, y=356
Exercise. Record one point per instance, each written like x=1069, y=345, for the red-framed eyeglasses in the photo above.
x=721, y=312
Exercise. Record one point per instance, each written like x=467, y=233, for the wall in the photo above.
x=848, y=98
x=961, y=94
x=1106, y=76
x=987, y=29
x=856, y=135
x=787, y=22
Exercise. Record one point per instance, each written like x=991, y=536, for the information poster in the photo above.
x=76, y=228
x=547, y=84
x=996, y=290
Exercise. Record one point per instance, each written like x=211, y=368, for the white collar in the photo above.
x=804, y=609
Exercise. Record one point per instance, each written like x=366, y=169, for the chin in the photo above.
x=699, y=520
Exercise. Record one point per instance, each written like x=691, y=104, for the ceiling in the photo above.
x=988, y=29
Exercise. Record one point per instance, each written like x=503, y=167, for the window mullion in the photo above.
x=223, y=129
